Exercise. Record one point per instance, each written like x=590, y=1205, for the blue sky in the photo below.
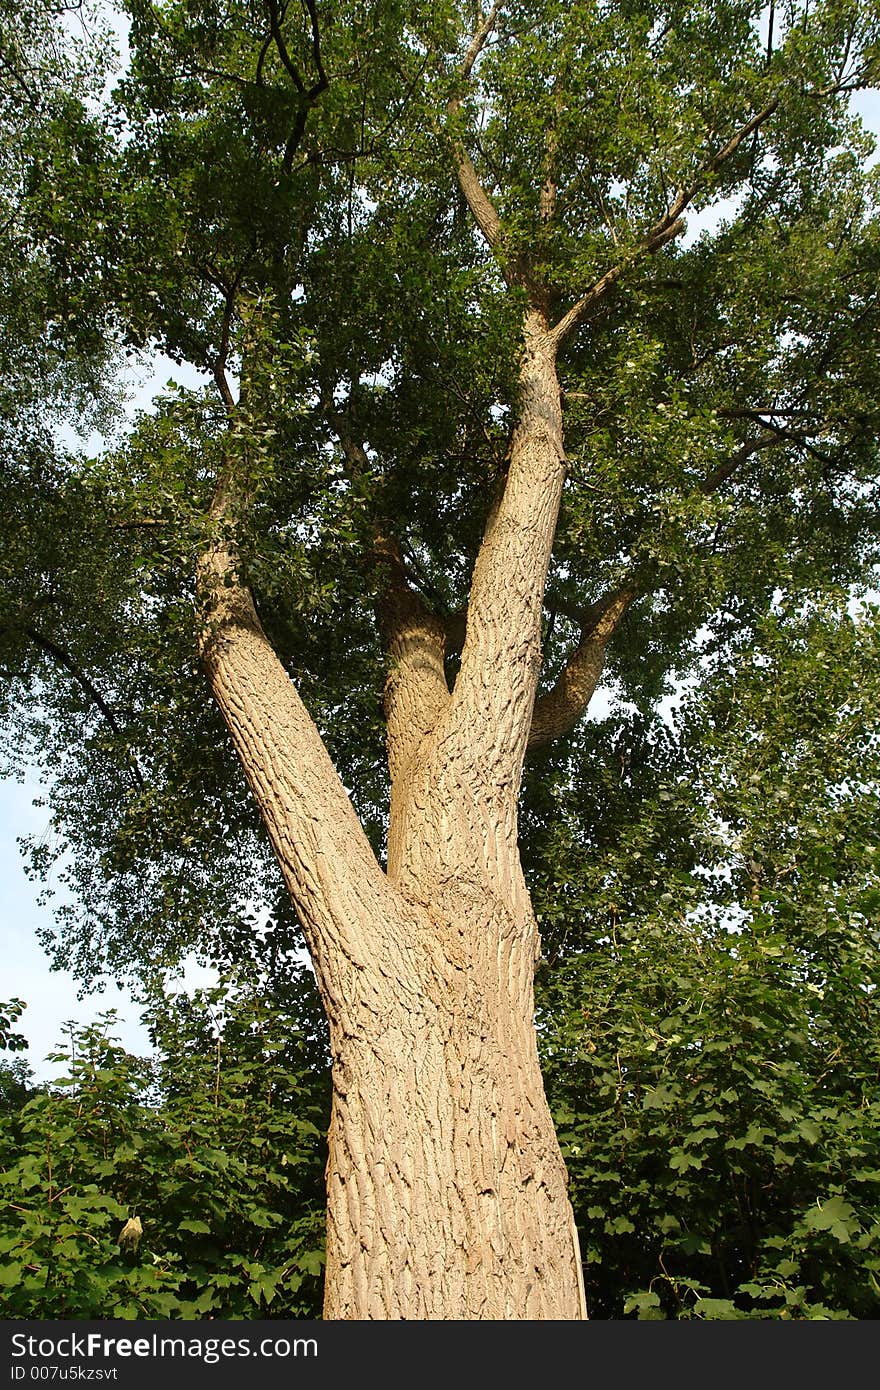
x=51, y=996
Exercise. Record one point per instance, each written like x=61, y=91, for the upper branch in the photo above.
x=322, y=80
x=669, y=226
x=719, y=476
x=281, y=47
x=221, y=359
x=413, y=637
x=767, y=419
x=326, y=859
x=557, y=712
x=481, y=205
x=478, y=200
x=549, y=189
x=307, y=95
x=480, y=37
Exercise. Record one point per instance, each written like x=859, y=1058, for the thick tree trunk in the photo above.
x=446, y=1188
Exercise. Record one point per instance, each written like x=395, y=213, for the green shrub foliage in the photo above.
x=712, y=1039
x=215, y=1147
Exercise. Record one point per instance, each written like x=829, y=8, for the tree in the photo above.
x=470, y=396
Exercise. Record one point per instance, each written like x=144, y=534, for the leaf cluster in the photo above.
x=708, y=1001
x=215, y=1145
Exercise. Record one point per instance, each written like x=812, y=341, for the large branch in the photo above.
x=416, y=693
x=414, y=639
x=768, y=420
x=719, y=476
x=325, y=857
x=669, y=226
x=328, y=865
x=500, y=660
x=557, y=712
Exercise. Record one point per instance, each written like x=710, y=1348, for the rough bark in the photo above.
x=416, y=692
x=446, y=1188
x=557, y=712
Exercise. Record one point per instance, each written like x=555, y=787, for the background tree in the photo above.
x=431, y=265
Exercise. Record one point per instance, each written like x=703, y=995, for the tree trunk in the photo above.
x=446, y=1187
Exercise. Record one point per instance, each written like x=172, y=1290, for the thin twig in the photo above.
x=66, y=660
x=669, y=226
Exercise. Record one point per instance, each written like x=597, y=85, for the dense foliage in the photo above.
x=713, y=1037
x=721, y=407
x=215, y=1147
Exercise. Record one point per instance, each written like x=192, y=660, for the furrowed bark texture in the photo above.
x=446, y=1188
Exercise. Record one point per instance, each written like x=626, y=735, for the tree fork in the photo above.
x=446, y=1187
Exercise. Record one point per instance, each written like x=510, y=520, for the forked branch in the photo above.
x=666, y=229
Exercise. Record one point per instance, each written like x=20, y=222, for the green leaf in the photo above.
x=722, y=1309
x=646, y=1304
x=835, y=1216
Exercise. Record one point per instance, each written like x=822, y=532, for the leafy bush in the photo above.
x=710, y=1008
x=721, y=1125
x=216, y=1148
